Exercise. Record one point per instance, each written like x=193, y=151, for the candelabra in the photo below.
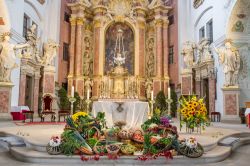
x=151, y=111
x=72, y=100
x=169, y=101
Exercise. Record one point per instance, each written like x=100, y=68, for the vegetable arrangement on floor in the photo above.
x=88, y=136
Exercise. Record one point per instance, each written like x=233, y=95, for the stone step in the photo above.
x=25, y=154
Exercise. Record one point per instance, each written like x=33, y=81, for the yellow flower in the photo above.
x=76, y=115
x=194, y=98
x=183, y=111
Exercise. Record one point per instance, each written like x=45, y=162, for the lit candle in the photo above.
x=189, y=93
x=152, y=95
x=88, y=94
x=169, y=93
x=72, y=91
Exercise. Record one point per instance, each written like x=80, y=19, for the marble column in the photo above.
x=78, y=59
x=186, y=82
x=212, y=91
x=159, y=50
x=36, y=93
x=165, y=55
x=72, y=53
x=22, y=88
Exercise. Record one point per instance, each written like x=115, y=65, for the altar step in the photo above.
x=214, y=153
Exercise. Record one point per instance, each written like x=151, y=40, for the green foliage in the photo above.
x=154, y=119
x=76, y=105
x=70, y=143
x=160, y=102
x=64, y=103
x=174, y=103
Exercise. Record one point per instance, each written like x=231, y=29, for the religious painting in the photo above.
x=119, y=40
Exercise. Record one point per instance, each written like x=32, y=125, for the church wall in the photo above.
x=173, y=41
x=39, y=13
x=193, y=19
x=63, y=65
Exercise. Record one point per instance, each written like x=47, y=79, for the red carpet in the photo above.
x=39, y=123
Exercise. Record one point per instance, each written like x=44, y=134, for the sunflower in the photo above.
x=78, y=114
x=183, y=111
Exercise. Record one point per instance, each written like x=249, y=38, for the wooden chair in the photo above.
x=64, y=113
x=28, y=115
x=47, y=102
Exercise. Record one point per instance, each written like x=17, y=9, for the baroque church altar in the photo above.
x=118, y=48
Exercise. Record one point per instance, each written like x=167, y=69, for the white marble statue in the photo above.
x=50, y=50
x=188, y=54
x=230, y=58
x=86, y=2
x=149, y=87
x=155, y=3
x=204, y=51
x=88, y=85
x=7, y=56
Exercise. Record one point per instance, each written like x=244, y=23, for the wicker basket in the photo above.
x=135, y=139
x=86, y=151
x=53, y=150
x=99, y=149
x=125, y=151
x=115, y=150
x=97, y=130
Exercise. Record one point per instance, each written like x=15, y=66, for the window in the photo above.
x=171, y=55
x=201, y=33
x=65, y=51
x=25, y=25
x=66, y=17
x=171, y=19
x=209, y=28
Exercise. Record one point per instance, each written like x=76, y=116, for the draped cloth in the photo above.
x=134, y=113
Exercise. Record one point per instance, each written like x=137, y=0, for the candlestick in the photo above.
x=88, y=94
x=169, y=93
x=152, y=95
x=72, y=91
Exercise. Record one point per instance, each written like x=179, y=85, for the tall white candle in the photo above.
x=72, y=91
x=152, y=95
x=88, y=94
x=169, y=93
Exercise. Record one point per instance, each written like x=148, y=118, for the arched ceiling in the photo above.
x=240, y=18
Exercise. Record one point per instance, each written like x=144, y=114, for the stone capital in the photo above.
x=72, y=21
x=80, y=21
x=165, y=23
x=158, y=22
x=97, y=23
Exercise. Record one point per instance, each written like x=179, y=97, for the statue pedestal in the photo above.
x=48, y=80
x=5, y=100
x=231, y=103
x=186, y=82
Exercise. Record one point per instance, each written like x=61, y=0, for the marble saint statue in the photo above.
x=188, y=54
x=230, y=59
x=50, y=49
x=88, y=85
x=7, y=56
x=149, y=87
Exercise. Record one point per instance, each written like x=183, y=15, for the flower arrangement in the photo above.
x=55, y=141
x=77, y=115
x=194, y=112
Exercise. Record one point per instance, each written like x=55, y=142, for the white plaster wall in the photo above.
x=219, y=11
x=46, y=16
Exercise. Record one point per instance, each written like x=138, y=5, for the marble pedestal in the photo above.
x=48, y=80
x=5, y=100
x=186, y=82
x=231, y=103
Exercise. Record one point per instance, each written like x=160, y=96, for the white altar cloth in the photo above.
x=134, y=112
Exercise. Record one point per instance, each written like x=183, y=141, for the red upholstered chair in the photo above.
x=47, y=102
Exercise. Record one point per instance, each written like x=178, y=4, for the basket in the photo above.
x=113, y=148
x=86, y=150
x=97, y=131
x=125, y=150
x=111, y=137
x=99, y=149
x=139, y=140
x=125, y=134
x=53, y=150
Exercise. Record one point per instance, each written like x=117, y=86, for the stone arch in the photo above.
x=35, y=9
x=201, y=15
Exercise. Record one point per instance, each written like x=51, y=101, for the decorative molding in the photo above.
x=17, y=37
x=197, y=3
x=41, y=1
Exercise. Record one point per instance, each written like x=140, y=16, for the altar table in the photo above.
x=134, y=113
